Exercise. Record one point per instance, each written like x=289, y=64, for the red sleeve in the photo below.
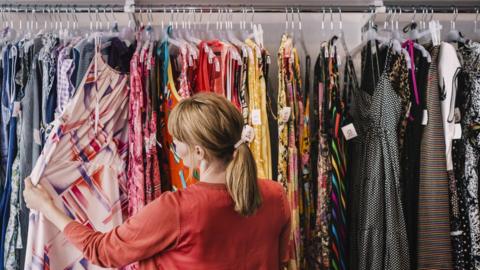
x=286, y=231
x=154, y=229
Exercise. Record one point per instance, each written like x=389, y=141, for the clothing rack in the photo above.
x=460, y=7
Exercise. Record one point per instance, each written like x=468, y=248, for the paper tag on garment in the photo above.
x=269, y=61
x=326, y=52
x=458, y=132
x=256, y=117
x=217, y=66
x=36, y=137
x=16, y=109
x=339, y=60
x=284, y=114
x=349, y=132
x=425, y=118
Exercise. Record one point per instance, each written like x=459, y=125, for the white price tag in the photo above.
x=326, y=52
x=36, y=137
x=458, y=132
x=349, y=131
x=269, y=61
x=217, y=65
x=16, y=109
x=256, y=117
x=425, y=118
x=284, y=114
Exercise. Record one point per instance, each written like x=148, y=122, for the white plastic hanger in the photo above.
x=476, y=31
x=454, y=35
x=302, y=37
x=369, y=35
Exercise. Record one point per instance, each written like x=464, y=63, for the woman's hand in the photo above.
x=36, y=197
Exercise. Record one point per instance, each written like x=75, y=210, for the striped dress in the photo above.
x=338, y=225
x=434, y=250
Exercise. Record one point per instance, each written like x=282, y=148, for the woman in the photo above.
x=228, y=220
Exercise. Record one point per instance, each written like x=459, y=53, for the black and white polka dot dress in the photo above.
x=381, y=238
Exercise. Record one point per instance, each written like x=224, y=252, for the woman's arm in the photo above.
x=153, y=230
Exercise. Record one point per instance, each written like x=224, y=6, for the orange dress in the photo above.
x=178, y=173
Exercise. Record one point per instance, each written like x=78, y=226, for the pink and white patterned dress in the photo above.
x=83, y=166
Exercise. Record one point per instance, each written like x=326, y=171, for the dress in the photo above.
x=83, y=166
x=136, y=169
x=179, y=174
x=338, y=224
x=323, y=166
x=434, y=249
x=467, y=151
x=449, y=69
x=260, y=145
x=381, y=233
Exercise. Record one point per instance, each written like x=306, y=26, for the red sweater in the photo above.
x=195, y=228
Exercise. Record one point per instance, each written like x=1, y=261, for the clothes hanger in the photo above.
x=127, y=33
x=454, y=35
x=10, y=32
x=256, y=35
x=302, y=36
x=342, y=33
x=425, y=33
x=187, y=48
x=187, y=40
x=169, y=32
x=323, y=34
x=231, y=34
x=371, y=35
x=189, y=36
x=414, y=35
x=192, y=35
x=476, y=31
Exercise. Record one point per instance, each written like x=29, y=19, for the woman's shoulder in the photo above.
x=270, y=186
x=274, y=196
x=272, y=190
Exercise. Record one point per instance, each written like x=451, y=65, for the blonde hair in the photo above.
x=212, y=122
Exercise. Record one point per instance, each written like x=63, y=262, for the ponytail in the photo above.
x=242, y=182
